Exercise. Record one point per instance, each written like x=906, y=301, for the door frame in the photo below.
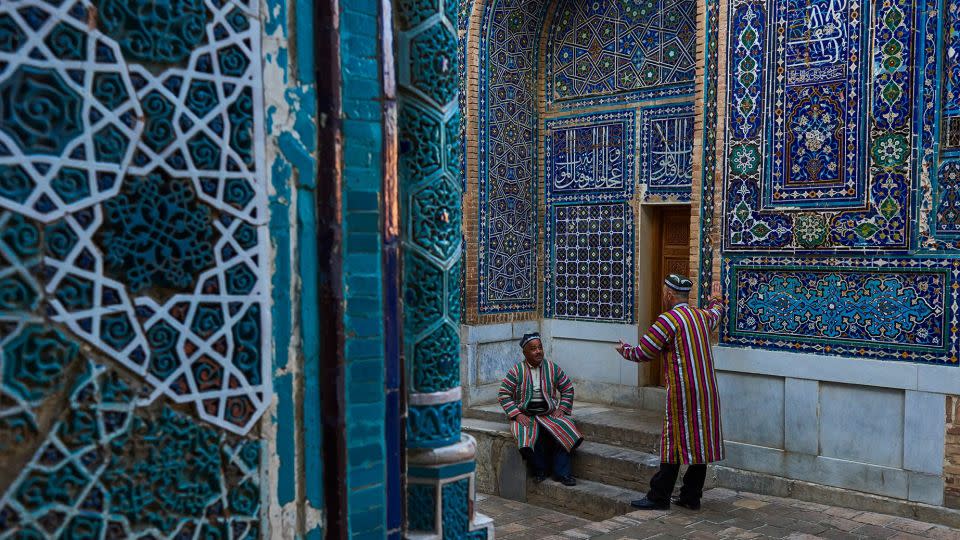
x=650, y=250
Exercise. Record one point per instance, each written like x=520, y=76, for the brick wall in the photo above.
x=363, y=312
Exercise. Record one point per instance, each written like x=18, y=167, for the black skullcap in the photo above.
x=527, y=338
x=678, y=283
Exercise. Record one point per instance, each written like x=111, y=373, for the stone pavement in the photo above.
x=725, y=514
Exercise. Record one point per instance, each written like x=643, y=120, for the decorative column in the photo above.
x=440, y=460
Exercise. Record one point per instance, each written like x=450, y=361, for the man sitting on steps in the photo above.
x=538, y=397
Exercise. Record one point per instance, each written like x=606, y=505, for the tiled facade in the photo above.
x=134, y=262
x=823, y=186
x=608, y=80
x=856, y=164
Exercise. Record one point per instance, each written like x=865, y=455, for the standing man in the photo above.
x=691, y=428
x=538, y=397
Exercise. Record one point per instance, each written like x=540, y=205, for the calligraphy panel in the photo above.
x=590, y=156
x=666, y=152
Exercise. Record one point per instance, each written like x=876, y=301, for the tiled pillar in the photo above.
x=440, y=460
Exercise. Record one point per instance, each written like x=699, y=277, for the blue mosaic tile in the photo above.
x=131, y=471
x=590, y=265
x=129, y=147
x=951, y=72
x=590, y=157
x=865, y=109
x=507, y=156
x=666, y=152
x=838, y=139
x=873, y=308
x=612, y=51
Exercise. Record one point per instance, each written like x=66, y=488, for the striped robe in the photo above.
x=516, y=391
x=691, y=427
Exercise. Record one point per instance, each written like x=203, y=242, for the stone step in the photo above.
x=499, y=462
x=614, y=465
x=627, y=428
x=590, y=500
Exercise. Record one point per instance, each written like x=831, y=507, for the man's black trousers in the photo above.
x=547, y=456
x=661, y=485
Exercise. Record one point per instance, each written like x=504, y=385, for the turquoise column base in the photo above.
x=441, y=491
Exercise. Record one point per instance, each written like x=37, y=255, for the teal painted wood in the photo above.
x=293, y=173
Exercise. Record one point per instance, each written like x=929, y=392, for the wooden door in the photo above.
x=672, y=256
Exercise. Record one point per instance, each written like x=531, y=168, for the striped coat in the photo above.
x=516, y=390
x=691, y=427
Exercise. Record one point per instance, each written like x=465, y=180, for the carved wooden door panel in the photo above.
x=674, y=258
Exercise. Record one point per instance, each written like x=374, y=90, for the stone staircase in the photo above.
x=613, y=465
x=619, y=456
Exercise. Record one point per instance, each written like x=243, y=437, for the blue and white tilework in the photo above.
x=590, y=157
x=666, y=152
x=507, y=178
x=590, y=271
x=606, y=51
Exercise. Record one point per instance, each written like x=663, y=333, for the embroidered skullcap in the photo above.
x=527, y=338
x=678, y=283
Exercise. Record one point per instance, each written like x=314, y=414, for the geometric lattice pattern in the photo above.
x=666, y=151
x=607, y=51
x=111, y=467
x=590, y=271
x=901, y=309
x=590, y=157
x=131, y=163
x=507, y=156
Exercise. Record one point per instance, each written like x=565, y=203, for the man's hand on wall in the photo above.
x=716, y=291
x=523, y=419
x=620, y=347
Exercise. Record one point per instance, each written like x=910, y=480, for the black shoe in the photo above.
x=568, y=481
x=689, y=505
x=647, y=504
x=539, y=478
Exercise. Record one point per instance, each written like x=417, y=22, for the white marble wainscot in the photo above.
x=583, y=349
x=866, y=425
x=487, y=352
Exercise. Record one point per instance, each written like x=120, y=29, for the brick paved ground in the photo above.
x=725, y=514
x=518, y=520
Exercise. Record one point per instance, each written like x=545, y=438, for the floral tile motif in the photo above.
x=111, y=467
x=838, y=138
x=876, y=308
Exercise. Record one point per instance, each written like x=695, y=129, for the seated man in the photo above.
x=529, y=396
